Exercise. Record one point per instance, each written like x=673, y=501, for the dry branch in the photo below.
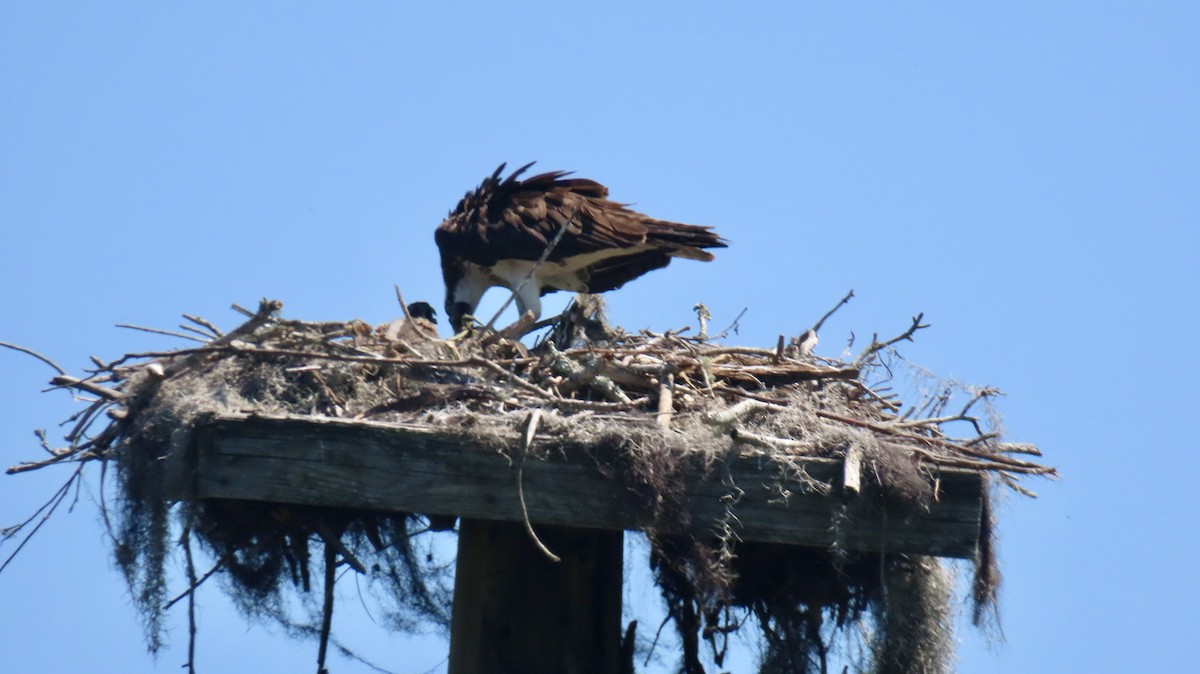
x=876, y=346
x=675, y=402
x=35, y=354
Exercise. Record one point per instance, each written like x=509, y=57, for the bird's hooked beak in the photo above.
x=456, y=311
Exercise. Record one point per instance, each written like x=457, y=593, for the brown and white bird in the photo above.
x=422, y=327
x=498, y=233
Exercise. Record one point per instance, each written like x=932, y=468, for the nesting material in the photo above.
x=668, y=400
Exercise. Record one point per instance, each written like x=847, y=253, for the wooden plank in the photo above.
x=517, y=611
x=353, y=464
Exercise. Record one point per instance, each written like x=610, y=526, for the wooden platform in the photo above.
x=365, y=465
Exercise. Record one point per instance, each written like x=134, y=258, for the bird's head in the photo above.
x=457, y=311
x=465, y=285
x=423, y=310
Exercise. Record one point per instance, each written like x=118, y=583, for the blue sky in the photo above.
x=1024, y=173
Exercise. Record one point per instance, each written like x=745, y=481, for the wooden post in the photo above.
x=517, y=611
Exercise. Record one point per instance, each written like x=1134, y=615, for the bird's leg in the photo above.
x=529, y=300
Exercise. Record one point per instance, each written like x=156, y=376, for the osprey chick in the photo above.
x=498, y=232
x=422, y=327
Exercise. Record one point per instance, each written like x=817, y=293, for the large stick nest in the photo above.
x=663, y=398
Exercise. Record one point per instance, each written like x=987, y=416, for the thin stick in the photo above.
x=877, y=346
x=532, y=270
x=334, y=542
x=408, y=319
x=197, y=331
x=654, y=644
x=162, y=332
x=1008, y=463
x=35, y=354
x=186, y=540
x=731, y=326
x=557, y=400
x=526, y=442
x=194, y=586
x=67, y=381
x=327, y=609
x=201, y=321
x=523, y=326
x=318, y=355
x=50, y=506
x=79, y=454
x=844, y=300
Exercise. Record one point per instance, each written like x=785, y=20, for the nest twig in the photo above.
x=620, y=386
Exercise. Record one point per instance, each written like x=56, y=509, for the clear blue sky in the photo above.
x=1025, y=173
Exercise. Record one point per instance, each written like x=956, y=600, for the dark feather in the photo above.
x=515, y=219
x=615, y=272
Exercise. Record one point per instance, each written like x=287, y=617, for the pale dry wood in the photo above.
x=852, y=469
x=216, y=332
x=997, y=461
x=770, y=442
x=584, y=375
x=157, y=331
x=67, y=381
x=735, y=412
x=666, y=405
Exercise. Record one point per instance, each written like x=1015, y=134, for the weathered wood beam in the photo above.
x=365, y=465
x=517, y=611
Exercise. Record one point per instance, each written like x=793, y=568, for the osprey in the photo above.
x=422, y=327
x=585, y=243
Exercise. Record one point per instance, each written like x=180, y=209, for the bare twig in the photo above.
x=67, y=381
x=74, y=454
x=156, y=331
x=732, y=326
x=998, y=459
x=48, y=508
x=524, y=325
x=817, y=327
x=531, y=425
x=216, y=332
x=334, y=542
x=35, y=354
x=193, y=585
x=877, y=346
x=186, y=543
x=327, y=606
x=768, y=442
x=533, y=270
x=204, y=335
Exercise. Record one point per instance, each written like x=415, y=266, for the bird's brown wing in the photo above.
x=517, y=219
